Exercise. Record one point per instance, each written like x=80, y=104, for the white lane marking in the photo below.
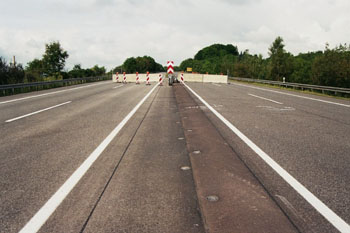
x=273, y=101
x=216, y=84
x=50, y=93
x=117, y=86
x=36, y=112
x=50, y=206
x=299, y=96
x=277, y=109
x=332, y=217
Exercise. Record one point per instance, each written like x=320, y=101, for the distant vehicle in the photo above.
x=172, y=79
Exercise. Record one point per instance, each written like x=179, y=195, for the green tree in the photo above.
x=279, y=60
x=3, y=72
x=11, y=74
x=35, y=71
x=98, y=70
x=76, y=72
x=332, y=68
x=216, y=51
x=141, y=64
x=54, y=59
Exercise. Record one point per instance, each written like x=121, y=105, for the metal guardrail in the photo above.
x=324, y=89
x=13, y=87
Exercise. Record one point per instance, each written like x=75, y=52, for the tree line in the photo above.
x=49, y=67
x=330, y=67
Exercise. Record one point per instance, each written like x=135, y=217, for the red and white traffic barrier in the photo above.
x=160, y=80
x=147, y=79
x=124, y=78
x=137, y=78
x=170, y=67
x=117, y=78
x=182, y=77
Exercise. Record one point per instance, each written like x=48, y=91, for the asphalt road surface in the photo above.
x=127, y=149
x=307, y=135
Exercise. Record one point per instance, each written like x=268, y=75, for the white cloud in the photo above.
x=106, y=32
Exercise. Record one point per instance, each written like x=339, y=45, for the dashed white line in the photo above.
x=332, y=217
x=50, y=93
x=273, y=101
x=117, y=86
x=299, y=96
x=50, y=206
x=36, y=112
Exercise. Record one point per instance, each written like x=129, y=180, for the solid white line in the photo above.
x=36, y=112
x=50, y=93
x=273, y=101
x=299, y=96
x=50, y=206
x=216, y=84
x=332, y=217
x=118, y=86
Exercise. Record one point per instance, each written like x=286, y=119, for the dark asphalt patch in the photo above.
x=241, y=203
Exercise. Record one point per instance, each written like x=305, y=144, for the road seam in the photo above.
x=116, y=167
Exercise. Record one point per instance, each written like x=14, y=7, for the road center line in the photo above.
x=50, y=206
x=50, y=93
x=332, y=217
x=273, y=101
x=36, y=112
x=299, y=96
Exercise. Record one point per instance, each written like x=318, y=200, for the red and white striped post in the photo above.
x=160, y=80
x=137, y=78
x=182, y=77
x=124, y=78
x=117, y=78
x=147, y=79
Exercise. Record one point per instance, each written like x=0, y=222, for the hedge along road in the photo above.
x=305, y=136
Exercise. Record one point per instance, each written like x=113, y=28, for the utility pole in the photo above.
x=13, y=61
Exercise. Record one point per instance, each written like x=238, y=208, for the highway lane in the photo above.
x=308, y=138
x=40, y=152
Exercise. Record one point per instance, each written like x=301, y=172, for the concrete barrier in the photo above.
x=188, y=77
x=205, y=78
x=210, y=78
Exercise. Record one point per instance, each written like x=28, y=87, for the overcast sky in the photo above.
x=106, y=32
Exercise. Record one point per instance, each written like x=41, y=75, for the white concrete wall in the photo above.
x=210, y=78
x=205, y=78
x=188, y=77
